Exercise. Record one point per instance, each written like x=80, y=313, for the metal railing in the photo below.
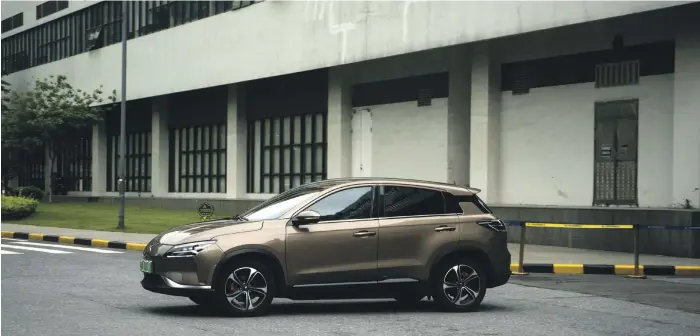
x=635, y=227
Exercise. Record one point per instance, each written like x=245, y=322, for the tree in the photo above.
x=48, y=114
x=5, y=93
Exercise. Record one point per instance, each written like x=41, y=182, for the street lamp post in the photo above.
x=122, y=128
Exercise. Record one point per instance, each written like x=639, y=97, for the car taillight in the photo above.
x=496, y=225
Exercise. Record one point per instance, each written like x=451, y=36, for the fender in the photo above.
x=236, y=251
x=461, y=247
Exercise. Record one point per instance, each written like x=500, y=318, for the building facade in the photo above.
x=539, y=104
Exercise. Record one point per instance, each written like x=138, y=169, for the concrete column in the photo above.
x=99, y=160
x=484, y=163
x=236, y=150
x=458, y=116
x=160, y=153
x=339, y=125
x=686, y=120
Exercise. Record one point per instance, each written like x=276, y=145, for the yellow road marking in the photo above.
x=687, y=270
x=36, y=236
x=580, y=226
x=100, y=242
x=627, y=269
x=135, y=246
x=568, y=268
x=66, y=240
x=7, y=234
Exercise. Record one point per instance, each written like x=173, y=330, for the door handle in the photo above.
x=445, y=228
x=364, y=233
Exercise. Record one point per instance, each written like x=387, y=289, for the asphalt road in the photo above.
x=84, y=292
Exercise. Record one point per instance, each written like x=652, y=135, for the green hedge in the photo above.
x=16, y=207
x=31, y=192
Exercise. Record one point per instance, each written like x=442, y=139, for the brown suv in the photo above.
x=338, y=239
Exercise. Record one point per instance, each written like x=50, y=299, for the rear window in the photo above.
x=468, y=205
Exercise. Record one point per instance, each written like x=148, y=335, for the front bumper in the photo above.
x=179, y=276
x=162, y=285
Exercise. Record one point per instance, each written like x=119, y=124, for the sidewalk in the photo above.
x=534, y=254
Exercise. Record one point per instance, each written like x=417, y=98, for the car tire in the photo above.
x=245, y=297
x=461, y=291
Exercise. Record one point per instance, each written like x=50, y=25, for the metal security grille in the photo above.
x=286, y=152
x=32, y=169
x=198, y=159
x=617, y=74
x=616, y=153
x=76, y=164
x=138, y=162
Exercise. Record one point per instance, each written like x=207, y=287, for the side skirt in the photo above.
x=363, y=290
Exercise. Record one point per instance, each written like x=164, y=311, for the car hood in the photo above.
x=205, y=230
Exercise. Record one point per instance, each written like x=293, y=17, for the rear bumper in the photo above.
x=500, y=267
x=499, y=279
x=162, y=285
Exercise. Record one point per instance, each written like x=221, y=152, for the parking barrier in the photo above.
x=638, y=271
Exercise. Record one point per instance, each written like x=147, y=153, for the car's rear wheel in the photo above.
x=245, y=288
x=459, y=284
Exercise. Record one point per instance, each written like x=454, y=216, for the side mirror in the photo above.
x=306, y=217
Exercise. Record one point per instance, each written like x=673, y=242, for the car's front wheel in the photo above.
x=245, y=288
x=459, y=284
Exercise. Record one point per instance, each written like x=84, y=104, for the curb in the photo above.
x=76, y=241
x=608, y=269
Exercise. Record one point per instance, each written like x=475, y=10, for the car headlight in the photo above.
x=188, y=250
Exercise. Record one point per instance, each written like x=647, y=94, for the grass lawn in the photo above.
x=103, y=217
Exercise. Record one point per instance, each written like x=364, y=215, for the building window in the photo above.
x=50, y=7
x=12, y=22
x=198, y=159
x=286, y=152
x=75, y=164
x=138, y=162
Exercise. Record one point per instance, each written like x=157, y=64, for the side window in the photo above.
x=468, y=205
x=353, y=203
x=406, y=201
x=452, y=205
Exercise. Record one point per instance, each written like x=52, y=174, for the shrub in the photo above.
x=31, y=192
x=10, y=191
x=16, y=207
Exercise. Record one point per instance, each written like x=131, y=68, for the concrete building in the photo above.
x=559, y=111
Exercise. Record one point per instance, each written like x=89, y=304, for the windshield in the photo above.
x=277, y=206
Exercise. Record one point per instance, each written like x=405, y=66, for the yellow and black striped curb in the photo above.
x=527, y=268
x=75, y=240
x=608, y=269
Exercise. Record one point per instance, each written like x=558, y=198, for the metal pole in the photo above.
x=521, y=258
x=637, y=273
x=122, y=128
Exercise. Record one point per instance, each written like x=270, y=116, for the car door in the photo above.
x=413, y=226
x=342, y=246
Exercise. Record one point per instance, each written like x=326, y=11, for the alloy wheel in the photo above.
x=245, y=289
x=461, y=285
